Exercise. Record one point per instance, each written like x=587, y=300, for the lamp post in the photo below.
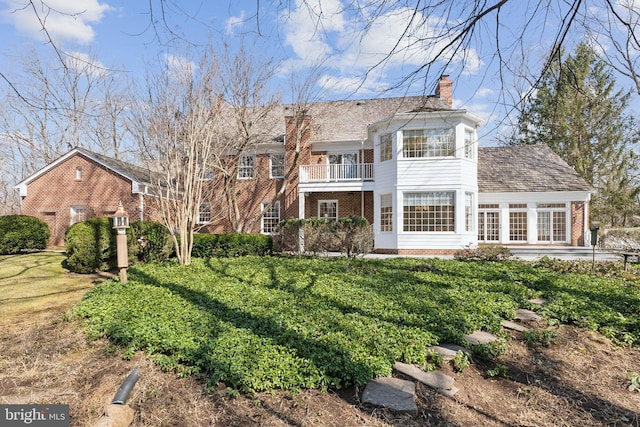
x=121, y=223
x=595, y=226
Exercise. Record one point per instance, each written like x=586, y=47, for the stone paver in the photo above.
x=393, y=393
x=522, y=314
x=538, y=301
x=480, y=337
x=514, y=326
x=449, y=393
x=433, y=379
x=448, y=351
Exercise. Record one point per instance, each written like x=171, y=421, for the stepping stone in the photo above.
x=537, y=301
x=507, y=324
x=392, y=393
x=480, y=337
x=449, y=393
x=448, y=351
x=433, y=379
x=522, y=314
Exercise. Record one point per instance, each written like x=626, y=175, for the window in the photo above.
x=433, y=211
x=469, y=144
x=468, y=211
x=245, y=169
x=78, y=214
x=78, y=174
x=489, y=226
x=270, y=218
x=386, y=213
x=204, y=213
x=552, y=222
x=328, y=209
x=277, y=165
x=343, y=166
x=428, y=143
x=386, y=152
x=518, y=222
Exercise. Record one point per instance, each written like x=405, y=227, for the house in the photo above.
x=81, y=185
x=410, y=165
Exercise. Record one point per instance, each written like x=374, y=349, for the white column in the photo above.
x=301, y=203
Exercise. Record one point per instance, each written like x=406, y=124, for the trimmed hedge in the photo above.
x=231, y=245
x=22, y=233
x=149, y=241
x=90, y=246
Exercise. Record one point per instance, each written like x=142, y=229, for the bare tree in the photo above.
x=178, y=123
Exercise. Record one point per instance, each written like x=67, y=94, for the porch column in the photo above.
x=301, y=203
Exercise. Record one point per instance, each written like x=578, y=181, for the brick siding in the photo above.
x=51, y=195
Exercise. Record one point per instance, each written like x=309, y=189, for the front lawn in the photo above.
x=285, y=322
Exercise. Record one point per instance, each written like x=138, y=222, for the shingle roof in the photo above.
x=526, y=168
x=348, y=120
x=128, y=170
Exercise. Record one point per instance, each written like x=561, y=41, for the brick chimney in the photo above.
x=444, y=90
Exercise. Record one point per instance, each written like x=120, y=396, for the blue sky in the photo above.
x=118, y=34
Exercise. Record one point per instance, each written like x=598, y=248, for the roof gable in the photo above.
x=133, y=173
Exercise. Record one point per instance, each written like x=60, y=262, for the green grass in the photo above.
x=36, y=284
x=283, y=322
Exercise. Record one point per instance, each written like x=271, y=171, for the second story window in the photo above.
x=246, y=166
x=78, y=174
x=428, y=143
x=386, y=152
x=277, y=165
x=469, y=144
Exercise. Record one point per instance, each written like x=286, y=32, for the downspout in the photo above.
x=141, y=196
x=362, y=178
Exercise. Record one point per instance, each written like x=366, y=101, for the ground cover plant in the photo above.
x=259, y=323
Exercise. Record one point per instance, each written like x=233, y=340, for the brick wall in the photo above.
x=349, y=203
x=51, y=195
x=577, y=223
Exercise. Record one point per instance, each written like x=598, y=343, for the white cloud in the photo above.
x=483, y=92
x=65, y=20
x=180, y=67
x=347, y=42
x=84, y=63
x=234, y=21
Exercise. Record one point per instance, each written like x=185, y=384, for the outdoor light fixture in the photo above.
x=121, y=223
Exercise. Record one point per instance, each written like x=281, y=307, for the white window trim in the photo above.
x=390, y=196
x=284, y=167
x=253, y=167
x=329, y=201
x=73, y=212
x=264, y=204
x=198, y=220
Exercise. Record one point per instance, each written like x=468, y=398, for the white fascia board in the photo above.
x=547, y=196
x=341, y=146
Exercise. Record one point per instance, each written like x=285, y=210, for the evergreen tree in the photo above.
x=577, y=111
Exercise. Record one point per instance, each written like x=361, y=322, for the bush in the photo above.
x=350, y=235
x=620, y=239
x=484, y=253
x=149, y=241
x=230, y=245
x=90, y=246
x=22, y=233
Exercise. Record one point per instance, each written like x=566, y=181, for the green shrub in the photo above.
x=230, y=245
x=484, y=253
x=461, y=361
x=22, y=233
x=149, y=241
x=90, y=246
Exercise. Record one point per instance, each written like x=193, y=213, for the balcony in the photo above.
x=336, y=173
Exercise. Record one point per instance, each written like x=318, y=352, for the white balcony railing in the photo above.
x=336, y=173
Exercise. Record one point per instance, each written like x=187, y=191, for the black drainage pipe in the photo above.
x=125, y=389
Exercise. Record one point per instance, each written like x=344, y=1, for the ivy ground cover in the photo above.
x=260, y=323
